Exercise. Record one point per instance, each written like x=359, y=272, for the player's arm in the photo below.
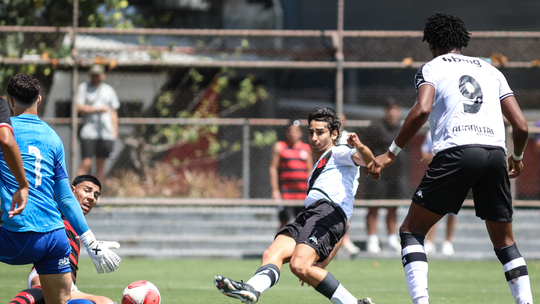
x=364, y=155
x=114, y=119
x=12, y=157
x=520, y=133
x=416, y=118
x=104, y=259
x=273, y=170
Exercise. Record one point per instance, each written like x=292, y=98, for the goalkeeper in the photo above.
x=37, y=236
x=87, y=190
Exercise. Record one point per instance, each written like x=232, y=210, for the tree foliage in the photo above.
x=59, y=13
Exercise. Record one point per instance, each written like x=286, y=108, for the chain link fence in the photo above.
x=201, y=109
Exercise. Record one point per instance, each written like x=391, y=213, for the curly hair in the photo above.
x=329, y=116
x=24, y=89
x=445, y=30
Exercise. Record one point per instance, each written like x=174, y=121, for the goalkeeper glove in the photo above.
x=105, y=260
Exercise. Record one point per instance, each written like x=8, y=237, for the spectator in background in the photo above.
x=394, y=183
x=347, y=243
x=447, y=247
x=98, y=104
x=290, y=167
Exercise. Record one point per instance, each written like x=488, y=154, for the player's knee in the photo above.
x=299, y=268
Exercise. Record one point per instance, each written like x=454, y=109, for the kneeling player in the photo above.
x=314, y=235
x=87, y=190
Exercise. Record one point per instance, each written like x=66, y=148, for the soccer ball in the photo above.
x=141, y=292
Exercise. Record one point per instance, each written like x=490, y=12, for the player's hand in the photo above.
x=105, y=260
x=354, y=141
x=276, y=195
x=18, y=201
x=378, y=163
x=515, y=167
x=101, y=109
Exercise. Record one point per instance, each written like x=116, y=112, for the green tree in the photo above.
x=92, y=13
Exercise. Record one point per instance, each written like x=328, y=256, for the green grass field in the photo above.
x=191, y=281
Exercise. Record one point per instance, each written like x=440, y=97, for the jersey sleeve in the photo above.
x=424, y=76
x=504, y=88
x=115, y=103
x=59, y=169
x=344, y=156
x=5, y=121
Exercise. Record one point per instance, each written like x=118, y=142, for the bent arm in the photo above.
x=418, y=115
x=273, y=171
x=515, y=117
x=69, y=206
x=12, y=156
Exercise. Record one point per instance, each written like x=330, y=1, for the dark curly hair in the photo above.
x=24, y=89
x=445, y=30
x=329, y=116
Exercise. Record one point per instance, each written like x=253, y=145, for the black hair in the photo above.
x=24, y=89
x=391, y=102
x=445, y=30
x=86, y=178
x=327, y=115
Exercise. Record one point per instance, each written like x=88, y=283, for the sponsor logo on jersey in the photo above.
x=63, y=262
x=487, y=131
x=420, y=194
x=476, y=62
x=314, y=240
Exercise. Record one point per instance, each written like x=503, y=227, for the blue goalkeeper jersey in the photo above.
x=43, y=159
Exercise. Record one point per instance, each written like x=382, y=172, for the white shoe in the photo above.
x=350, y=247
x=373, y=247
x=430, y=248
x=447, y=248
x=394, y=244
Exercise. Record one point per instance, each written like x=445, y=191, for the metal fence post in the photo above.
x=246, y=144
x=74, y=83
x=339, y=60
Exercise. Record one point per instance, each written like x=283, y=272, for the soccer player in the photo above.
x=313, y=237
x=37, y=236
x=465, y=99
x=87, y=190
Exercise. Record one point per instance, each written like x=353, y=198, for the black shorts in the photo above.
x=453, y=172
x=99, y=148
x=288, y=213
x=320, y=225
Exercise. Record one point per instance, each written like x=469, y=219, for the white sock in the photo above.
x=392, y=237
x=261, y=283
x=343, y=296
x=520, y=286
x=373, y=238
x=265, y=277
x=416, y=267
x=516, y=273
x=421, y=300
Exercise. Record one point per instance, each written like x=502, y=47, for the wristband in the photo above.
x=394, y=148
x=516, y=157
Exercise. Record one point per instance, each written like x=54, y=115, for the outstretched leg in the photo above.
x=265, y=277
x=303, y=266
